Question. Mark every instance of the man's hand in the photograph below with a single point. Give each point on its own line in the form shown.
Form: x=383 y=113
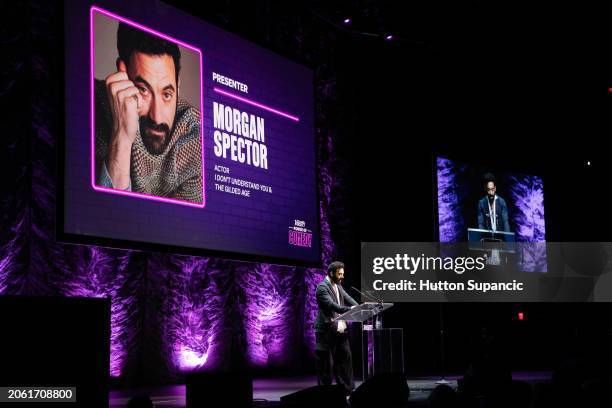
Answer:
x=125 y=103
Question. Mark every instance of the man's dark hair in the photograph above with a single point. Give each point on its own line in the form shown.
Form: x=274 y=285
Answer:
x=131 y=39
x=333 y=267
x=489 y=177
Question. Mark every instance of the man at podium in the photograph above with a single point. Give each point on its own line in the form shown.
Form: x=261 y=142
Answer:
x=333 y=352
x=492 y=209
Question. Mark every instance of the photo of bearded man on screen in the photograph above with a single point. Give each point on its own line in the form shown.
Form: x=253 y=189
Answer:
x=147 y=138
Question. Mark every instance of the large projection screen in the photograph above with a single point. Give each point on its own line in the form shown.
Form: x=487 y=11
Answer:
x=180 y=136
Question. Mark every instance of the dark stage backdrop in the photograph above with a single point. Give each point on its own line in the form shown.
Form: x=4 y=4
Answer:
x=170 y=314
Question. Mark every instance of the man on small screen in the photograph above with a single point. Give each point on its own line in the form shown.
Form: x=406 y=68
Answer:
x=148 y=140
x=333 y=354
x=492 y=209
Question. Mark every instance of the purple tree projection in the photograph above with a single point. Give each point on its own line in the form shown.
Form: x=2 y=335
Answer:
x=269 y=312
x=97 y=272
x=10 y=263
x=191 y=292
x=527 y=193
x=450 y=220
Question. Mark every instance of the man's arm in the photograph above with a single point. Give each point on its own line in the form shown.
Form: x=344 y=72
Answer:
x=348 y=299
x=325 y=301
x=105 y=180
x=189 y=159
x=481 y=221
x=125 y=104
x=505 y=217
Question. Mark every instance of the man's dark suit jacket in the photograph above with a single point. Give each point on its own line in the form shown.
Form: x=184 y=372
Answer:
x=501 y=215
x=329 y=308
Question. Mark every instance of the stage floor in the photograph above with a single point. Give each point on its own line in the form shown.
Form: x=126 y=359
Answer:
x=267 y=391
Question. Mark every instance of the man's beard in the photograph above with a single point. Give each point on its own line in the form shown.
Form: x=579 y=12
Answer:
x=155 y=144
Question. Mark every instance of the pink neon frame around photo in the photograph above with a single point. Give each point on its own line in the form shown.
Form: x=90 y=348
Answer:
x=93 y=10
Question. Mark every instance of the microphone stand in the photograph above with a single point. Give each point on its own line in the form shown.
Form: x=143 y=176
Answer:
x=371 y=297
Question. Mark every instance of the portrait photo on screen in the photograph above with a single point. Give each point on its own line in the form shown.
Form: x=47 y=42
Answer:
x=182 y=137
x=146 y=132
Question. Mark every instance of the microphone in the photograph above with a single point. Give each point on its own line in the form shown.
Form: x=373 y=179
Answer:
x=371 y=297
x=376 y=310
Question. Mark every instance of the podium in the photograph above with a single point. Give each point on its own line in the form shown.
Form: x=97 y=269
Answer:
x=382 y=349
x=480 y=236
x=493 y=242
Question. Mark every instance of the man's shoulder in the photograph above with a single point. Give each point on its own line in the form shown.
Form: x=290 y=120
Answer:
x=187 y=123
x=185 y=111
x=322 y=284
x=501 y=200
